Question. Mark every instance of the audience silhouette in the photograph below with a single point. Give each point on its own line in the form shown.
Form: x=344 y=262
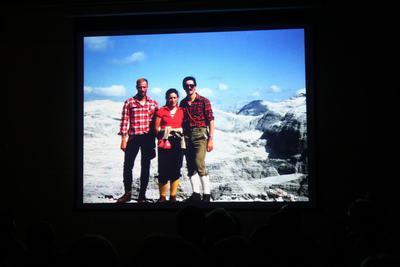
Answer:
x=168 y=250
x=219 y=224
x=381 y=260
x=215 y=238
x=92 y=250
x=190 y=224
x=231 y=251
x=282 y=242
x=363 y=232
x=12 y=250
x=40 y=244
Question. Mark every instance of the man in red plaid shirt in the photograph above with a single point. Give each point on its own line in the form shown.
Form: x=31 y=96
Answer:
x=198 y=128
x=137 y=132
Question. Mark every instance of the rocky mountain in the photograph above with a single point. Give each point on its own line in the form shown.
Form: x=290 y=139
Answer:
x=254 y=108
x=284 y=126
x=258 y=157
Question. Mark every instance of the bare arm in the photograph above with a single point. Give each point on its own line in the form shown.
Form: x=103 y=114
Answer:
x=210 y=143
x=157 y=125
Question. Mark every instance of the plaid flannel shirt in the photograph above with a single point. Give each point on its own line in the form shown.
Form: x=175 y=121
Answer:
x=198 y=114
x=136 y=118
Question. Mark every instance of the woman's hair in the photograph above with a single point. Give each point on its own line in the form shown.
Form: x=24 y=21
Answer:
x=170 y=91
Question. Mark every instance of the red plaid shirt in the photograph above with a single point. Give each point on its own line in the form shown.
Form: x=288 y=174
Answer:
x=198 y=114
x=138 y=117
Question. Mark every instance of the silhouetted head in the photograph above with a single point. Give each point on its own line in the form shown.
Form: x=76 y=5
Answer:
x=160 y=249
x=92 y=250
x=7 y=222
x=233 y=250
x=190 y=223
x=381 y=260
x=40 y=235
x=219 y=224
x=362 y=215
x=287 y=218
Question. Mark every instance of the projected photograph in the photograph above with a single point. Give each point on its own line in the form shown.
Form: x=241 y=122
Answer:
x=255 y=81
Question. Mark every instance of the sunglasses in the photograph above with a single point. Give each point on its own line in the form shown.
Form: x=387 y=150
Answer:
x=190 y=85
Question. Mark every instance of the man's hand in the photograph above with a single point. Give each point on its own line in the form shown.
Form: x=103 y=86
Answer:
x=210 y=145
x=123 y=144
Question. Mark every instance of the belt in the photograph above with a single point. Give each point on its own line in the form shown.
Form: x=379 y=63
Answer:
x=195 y=128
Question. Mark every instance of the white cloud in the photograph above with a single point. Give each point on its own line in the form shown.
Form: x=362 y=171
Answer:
x=301 y=91
x=223 y=86
x=207 y=92
x=87 y=89
x=98 y=44
x=255 y=93
x=135 y=57
x=156 y=91
x=275 y=88
x=113 y=90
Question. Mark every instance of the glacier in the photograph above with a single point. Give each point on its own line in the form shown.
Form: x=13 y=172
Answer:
x=239 y=166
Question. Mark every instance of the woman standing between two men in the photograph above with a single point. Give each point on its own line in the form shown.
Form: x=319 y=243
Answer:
x=168 y=127
x=189 y=126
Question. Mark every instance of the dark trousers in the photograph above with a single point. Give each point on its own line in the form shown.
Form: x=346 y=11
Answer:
x=146 y=144
x=170 y=161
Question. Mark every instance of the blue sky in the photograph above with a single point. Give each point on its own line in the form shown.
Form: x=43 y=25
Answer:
x=232 y=68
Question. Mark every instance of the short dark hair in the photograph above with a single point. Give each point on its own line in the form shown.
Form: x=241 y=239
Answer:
x=171 y=91
x=188 y=78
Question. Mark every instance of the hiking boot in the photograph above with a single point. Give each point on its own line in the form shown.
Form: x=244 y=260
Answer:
x=172 y=198
x=195 y=197
x=162 y=199
x=125 y=197
x=206 y=198
x=141 y=199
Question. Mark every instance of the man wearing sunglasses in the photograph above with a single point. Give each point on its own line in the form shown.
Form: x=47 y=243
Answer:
x=198 y=128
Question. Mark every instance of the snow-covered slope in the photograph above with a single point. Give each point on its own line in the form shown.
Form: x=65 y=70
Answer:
x=239 y=166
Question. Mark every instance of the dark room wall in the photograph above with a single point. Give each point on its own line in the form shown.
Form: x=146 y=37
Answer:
x=354 y=89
